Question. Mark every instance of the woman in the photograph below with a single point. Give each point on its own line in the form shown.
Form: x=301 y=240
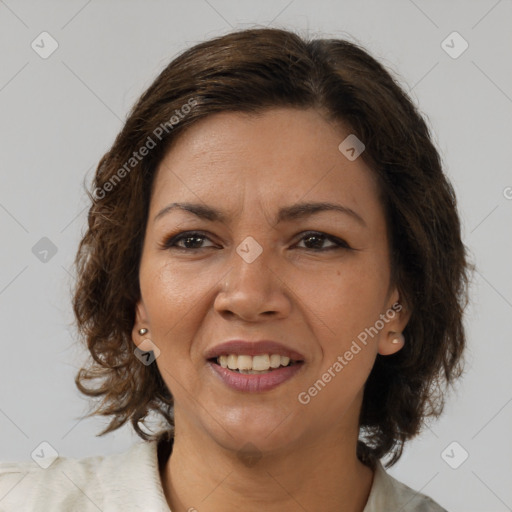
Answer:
x=273 y=266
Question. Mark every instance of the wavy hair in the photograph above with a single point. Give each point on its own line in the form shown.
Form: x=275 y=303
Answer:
x=250 y=71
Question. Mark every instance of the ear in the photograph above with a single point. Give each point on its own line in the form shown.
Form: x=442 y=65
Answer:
x=141 y=321
x=397 y=316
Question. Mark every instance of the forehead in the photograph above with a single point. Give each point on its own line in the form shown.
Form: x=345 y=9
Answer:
x=278 y=156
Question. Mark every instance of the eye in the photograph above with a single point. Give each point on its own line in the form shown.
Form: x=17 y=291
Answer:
x=191 y=240
x=316 y=239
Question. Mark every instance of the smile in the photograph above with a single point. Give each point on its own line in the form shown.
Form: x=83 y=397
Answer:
x=254 y=374
x=254 y=364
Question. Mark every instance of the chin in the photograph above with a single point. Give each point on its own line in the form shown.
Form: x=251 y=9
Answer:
x=270 y=432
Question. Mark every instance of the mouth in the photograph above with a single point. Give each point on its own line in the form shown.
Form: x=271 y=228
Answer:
x=254 y=374
x=253 y=366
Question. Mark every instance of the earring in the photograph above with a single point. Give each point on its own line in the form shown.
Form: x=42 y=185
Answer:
x=399 y=338
x=145 y=345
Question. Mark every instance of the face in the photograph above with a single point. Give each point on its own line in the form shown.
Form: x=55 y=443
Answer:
x=253 y=266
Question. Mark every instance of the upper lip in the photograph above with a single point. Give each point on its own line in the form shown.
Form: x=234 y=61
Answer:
x=252 y=348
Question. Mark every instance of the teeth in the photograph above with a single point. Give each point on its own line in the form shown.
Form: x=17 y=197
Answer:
x=253 y=364
x=260 y=363
x=244 y=363
x=275 y=361
x=232 y=362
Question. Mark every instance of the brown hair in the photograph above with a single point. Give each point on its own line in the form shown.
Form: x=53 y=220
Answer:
x=249 y=71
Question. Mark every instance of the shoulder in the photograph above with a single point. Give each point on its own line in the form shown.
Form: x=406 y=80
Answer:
x=125 y=481
x=387 y=493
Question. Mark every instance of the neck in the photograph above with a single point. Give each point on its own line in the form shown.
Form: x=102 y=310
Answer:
x=321 y=473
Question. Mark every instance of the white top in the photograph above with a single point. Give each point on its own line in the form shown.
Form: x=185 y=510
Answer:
x=130 y=481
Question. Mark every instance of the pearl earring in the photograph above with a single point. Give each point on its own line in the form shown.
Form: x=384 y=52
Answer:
x=146 y=345
x=399 y=338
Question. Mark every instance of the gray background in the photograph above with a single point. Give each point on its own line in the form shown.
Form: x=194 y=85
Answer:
x=60 y=114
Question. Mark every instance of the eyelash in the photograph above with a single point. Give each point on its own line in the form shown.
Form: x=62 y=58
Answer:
x=171 y=241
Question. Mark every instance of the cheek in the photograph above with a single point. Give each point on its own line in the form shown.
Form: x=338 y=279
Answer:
x=173 y=300
x=345 y=300
x=169 y=291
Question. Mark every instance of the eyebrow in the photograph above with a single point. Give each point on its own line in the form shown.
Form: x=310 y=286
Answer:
x=286 y=213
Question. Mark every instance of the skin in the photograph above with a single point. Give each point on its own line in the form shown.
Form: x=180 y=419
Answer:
x=316 y=302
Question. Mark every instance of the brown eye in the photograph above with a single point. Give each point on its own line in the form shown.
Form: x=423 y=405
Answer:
x=187 y=240
x=315 y=240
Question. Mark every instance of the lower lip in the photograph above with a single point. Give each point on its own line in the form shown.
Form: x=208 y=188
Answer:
x=254 y=383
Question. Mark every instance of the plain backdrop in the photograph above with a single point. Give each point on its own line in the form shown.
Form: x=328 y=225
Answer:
x=60 y=114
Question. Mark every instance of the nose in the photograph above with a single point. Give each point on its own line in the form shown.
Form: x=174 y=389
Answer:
x=253 y=291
